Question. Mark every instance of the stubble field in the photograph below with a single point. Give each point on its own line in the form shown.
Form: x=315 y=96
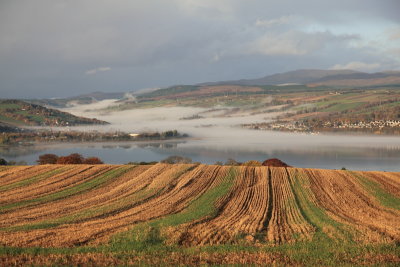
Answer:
x=192 y=214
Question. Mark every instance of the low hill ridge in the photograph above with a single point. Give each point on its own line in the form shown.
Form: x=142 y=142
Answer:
x=20 y=113
x=302 y=76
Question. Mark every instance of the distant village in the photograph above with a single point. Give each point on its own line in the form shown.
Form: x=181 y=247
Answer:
x=378 y=126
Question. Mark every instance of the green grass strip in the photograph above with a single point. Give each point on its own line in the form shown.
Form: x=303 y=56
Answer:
x=139 y=238
x=315 y=215
x=202 y=206
x=80 y=188
x=385 y=198
x=34 y=179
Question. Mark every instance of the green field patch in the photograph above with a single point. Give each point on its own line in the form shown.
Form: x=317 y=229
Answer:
x=36 y=118
x=322 y=253
x=34 y=179
x=384 y=107
x=170 y=91
x=313 y=253
x=96 y=181
x=9 y=106
x=384 y=198
x=11 y=120
x=342 y=106
x=147 y=236
x=310 y=253
x=25 y=114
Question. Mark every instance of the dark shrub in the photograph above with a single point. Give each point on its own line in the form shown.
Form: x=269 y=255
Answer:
x=74 y=158
x=176 y=159
x=3 y=162
x=275 y=163
x=47 y=159
x=92 y=160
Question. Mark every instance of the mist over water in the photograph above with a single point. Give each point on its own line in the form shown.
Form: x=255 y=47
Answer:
x=168 y=118
x=216 y=136
x=218 y=127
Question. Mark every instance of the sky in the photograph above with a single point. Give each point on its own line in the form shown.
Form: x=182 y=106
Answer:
x=60 y=48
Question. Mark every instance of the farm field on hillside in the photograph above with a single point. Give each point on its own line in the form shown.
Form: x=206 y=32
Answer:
x=361 y=111
x=285 y=108
x=197 y=214
x=21 y=113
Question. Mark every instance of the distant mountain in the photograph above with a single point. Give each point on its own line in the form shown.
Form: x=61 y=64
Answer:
x=21 y=113
x=296 y=77
x=292 y=81
x=319 y=77
x=296 y=80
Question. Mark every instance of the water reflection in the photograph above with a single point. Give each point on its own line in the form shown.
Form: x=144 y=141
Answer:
x=384 y=157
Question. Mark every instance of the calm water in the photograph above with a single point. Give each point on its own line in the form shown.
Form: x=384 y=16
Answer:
x=218 y=138
x=384 y=157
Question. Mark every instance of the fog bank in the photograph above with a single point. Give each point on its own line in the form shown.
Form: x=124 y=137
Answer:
x=219 y=127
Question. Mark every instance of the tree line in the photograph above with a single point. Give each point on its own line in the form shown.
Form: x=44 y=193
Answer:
x=76 y=158
x=73 y=158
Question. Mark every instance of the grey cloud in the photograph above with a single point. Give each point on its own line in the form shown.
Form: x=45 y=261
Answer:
x=46 y=45
x=274 y=22
x=96 y=70
x=294 y=43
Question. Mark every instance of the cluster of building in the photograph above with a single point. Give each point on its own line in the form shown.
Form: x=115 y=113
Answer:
x=306 y=127
x=363 y=125
x=279 y=126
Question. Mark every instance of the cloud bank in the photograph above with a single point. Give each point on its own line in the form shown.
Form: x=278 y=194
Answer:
x=46 y=45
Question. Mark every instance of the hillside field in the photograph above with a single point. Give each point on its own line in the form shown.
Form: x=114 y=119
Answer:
x=190 y=214
x=20 y=113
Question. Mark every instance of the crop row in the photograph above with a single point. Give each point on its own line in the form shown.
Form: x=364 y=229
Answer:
x=189 y=204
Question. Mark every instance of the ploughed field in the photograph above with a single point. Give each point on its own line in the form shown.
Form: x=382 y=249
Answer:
x=197 y=214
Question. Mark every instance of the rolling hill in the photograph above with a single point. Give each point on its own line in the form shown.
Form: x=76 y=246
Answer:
x=288 y=82
x=197 y=214
x=340 y=78
x=296 y=76
x=305 y=80
x=21 y=113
